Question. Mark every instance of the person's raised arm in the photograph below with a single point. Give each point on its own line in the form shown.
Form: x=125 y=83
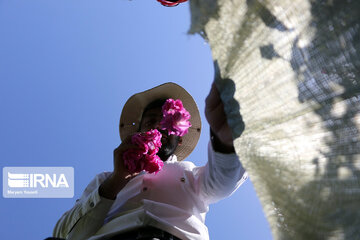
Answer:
x=220 y=132
x=223 y=173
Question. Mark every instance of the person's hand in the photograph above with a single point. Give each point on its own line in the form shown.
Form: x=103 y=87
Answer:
x=120 y=176
x=215 y=115
x=119 y=167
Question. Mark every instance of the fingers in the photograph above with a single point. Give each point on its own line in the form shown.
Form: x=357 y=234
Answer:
x=131 y=176
x=217 y=117
x=122 y=148
x=127 y=140
x=214 y=109
x=213 y=99
x=125 y=145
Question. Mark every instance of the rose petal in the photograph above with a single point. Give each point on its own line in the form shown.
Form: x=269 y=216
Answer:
x=175 y=118
x=132 y=158
x=153 y=164
x=136 y=160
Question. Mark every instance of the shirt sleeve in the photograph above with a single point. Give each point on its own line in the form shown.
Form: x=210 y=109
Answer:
x=220 y=177
x=88 y=214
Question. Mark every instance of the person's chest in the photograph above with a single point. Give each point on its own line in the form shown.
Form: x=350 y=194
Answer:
x=174 y=185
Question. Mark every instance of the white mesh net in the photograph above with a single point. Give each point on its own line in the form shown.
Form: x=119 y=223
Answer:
x=291 y=68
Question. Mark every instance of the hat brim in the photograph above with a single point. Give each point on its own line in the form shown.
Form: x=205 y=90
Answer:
x=135 y=105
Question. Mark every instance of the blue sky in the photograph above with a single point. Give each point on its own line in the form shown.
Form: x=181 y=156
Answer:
x=66 y=70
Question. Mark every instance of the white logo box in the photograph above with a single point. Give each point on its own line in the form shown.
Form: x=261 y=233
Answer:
x=38 y=182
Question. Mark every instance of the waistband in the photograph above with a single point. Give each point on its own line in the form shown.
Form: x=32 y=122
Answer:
x=144 y=233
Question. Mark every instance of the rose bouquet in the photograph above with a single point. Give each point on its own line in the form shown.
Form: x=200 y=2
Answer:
x=144 y=157
x=175 y=120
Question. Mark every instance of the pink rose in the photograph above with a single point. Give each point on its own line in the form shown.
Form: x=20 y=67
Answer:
x=153 y=136
x=171 y=106
x=153 y=164
x=175 y=118
x=149 y=142
x=133 y=160
x=139 y=140
x=144 y=158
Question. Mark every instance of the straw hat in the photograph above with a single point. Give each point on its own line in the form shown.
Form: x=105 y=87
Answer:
x=135 y=105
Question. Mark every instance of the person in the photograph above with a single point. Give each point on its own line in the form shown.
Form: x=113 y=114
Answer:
x=171 y=204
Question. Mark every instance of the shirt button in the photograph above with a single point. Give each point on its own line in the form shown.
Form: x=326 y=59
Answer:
x=182 y=179
x=144 y=189
x=91 y=204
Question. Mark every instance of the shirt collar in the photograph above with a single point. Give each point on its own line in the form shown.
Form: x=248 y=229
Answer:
x=171 y=159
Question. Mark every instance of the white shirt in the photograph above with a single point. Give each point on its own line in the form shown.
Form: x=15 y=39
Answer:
x=175 y=200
